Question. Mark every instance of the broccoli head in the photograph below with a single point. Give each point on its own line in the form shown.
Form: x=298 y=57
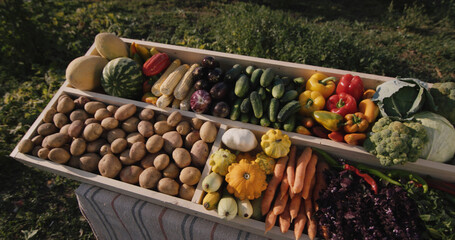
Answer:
x=395 y=142
x=444 y=98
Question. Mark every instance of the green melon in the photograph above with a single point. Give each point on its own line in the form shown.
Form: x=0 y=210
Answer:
x=122 y=77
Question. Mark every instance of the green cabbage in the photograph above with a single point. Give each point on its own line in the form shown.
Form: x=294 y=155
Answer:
x=441 y=137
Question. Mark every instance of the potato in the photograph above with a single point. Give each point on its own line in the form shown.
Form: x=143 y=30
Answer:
x=57 y=140
x=161 y=117
x=208 y=132
x=101 y=114
x=174 y=119
x=75 y=129
x=92 y=106
x=60 y=120
x=168 y=186
x=95 y=146
x=125 y=111
x=182 y=157
x=154 y=144
x=78 y=147
x=161 y=161
x=92 y=132
x=49 y=115
x=171 y=171
x=91 y=120
x=199 y=153
x=172 y=140
x=64 y=129
x=109 y=166
x=105 y=149
x=137 y=151
x=191 y=138
x=145 y=128
x=114 y=134
x=61 y=97
x=162 y=127
x=196 y=123
x=67 y=147
x=112 y=109
x=186 y=192
x=148 y=160
x=25 y=146
x=190 y=175
x=89 y=162
x=118 y=145
x=79 y=114
x=80 y=102
x=146 y=114
x=130 y=124
x=75 y=162
x=149 y=178
x=131 y=174
x=125 y=157
x=37 y=140
x=36 y=150
x=47 y=129
x=134 y=137
x=65 y=105
x=43 y=153
x=183 y=128
x=59 y=155
x=109 y=123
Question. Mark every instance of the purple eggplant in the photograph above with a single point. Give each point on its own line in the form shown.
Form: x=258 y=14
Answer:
x=221 y=109
x=200 y=101
x=210 y=62
x=219 y=90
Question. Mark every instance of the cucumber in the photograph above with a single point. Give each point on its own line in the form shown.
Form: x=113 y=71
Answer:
x=256 y=104
x=245 y=106
x=289 y=124
x=249 y=70
x=235 y=110
x=255 y=77
x=242 y=86
x=265 y=122
x=286 y=80
x=299 y=84
x=290 y=86
x=273 y=109
x=254 y=120
x=276 y=125
x=244 y=117
x=289 y=96
x=233 y=73
x=267 y=77
x=288 y=110
x=278 y=89
x=262 y=93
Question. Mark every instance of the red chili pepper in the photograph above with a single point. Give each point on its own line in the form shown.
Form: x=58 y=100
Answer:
x=352 y=85
x=156 y=64
x=336 y=136
x=342 y=104
x=365 y=176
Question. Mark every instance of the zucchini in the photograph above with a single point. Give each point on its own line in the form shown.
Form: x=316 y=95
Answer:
x=242 y=86
x=273 y=109
x=254 y=120
x=289 y=124
x=289 y=96
x=278 y=89
x=288 y=110
x=235 y=110
x=244 y=117
x=256 y=104
x=255 y=77
x=267 y=77
x=249 y=70
x=265 y=122
x=233 y=73
x=262 y=93
x=245 y=106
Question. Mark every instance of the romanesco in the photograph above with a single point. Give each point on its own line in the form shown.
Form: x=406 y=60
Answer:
x=395 y=142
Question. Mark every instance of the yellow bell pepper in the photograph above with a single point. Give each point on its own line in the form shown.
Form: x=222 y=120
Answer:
x=321 y=83
x=311 y=101
x=369 y=109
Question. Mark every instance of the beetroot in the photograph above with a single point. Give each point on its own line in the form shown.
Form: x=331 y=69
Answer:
x=200 y=101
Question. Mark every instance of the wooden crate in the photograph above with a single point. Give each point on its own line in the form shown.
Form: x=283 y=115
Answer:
x=191 y=55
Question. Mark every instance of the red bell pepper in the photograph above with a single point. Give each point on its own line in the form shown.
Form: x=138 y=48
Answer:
x=342 y=104
x=352 y=85
x=156 y=64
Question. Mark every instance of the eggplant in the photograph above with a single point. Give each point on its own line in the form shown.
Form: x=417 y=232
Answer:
x=215 y=75
x=210 y=62
x=202 y=84
x=200 y=73
x=219 y=90
x=220 y=109
x=200 y=101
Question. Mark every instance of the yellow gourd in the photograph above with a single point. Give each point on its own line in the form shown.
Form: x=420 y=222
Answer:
x=220 y=161
x=265 y=162
x=275 y=144
x=246 y=180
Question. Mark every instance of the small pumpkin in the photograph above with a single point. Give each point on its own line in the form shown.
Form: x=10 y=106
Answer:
x=220 y=161
x=265 y=162
x=275 y=144
x=239 y=139
x=246 y=180
x=245 y=155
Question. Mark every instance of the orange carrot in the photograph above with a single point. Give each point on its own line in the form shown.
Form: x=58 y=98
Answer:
x=309 y=175
x=285 y=219
x=325 y=232
x=284 y=186
x=294 y=206
x=320 y=182
x=270 y=221
x=269 y=194
x=312 y=225
x=300 y=222
x=290 y=169
x=300 y=169
x=280 y=204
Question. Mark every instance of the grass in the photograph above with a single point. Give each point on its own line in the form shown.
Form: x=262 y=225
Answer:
x=40 y=37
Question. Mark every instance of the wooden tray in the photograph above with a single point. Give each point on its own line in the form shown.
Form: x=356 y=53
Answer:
x=190 y=55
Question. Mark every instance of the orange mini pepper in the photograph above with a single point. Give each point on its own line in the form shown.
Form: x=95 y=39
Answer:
x=303 y=130
x=355 y=138
x=355 y=122
x=369 y=109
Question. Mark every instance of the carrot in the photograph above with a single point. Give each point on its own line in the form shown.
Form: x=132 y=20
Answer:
x=300 y=222
x=285 y=219
x=278 y=173
x=312 y=225
x=300 y=169
x=309 y=175
x=290 y=169
x=320 y=182
x=325 y=232
x=284 y=186
x=294 y=206
x=270 y=221
x=280 y=204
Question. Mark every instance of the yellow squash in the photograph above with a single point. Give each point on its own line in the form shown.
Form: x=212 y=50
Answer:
x=246 y=180
x=275 y=144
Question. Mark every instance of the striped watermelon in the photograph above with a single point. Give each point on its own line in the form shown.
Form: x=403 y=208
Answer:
x=122 y=77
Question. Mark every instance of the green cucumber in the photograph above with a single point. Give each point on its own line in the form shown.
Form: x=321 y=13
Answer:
x=244 y=117
x=290 y=86
x=286 y=80
x=267 y=77
x=245 y=106
x=273 y=109
x=262 y=93
x=278 y=89
x=265 y=122
x=289 y=124
x=288 y=110
x=249 y=70
x=233 y=73
x=289 y=96
x=299 y=84
x=242 y=86
x=256 y=104
x=235 y=110
x=254 y=120
x=255 y=77
x=276 y=125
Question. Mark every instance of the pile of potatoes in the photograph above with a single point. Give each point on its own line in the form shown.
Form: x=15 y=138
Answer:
x=137 y=146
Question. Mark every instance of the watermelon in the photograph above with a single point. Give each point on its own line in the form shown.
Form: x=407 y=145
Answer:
x=122 y=77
